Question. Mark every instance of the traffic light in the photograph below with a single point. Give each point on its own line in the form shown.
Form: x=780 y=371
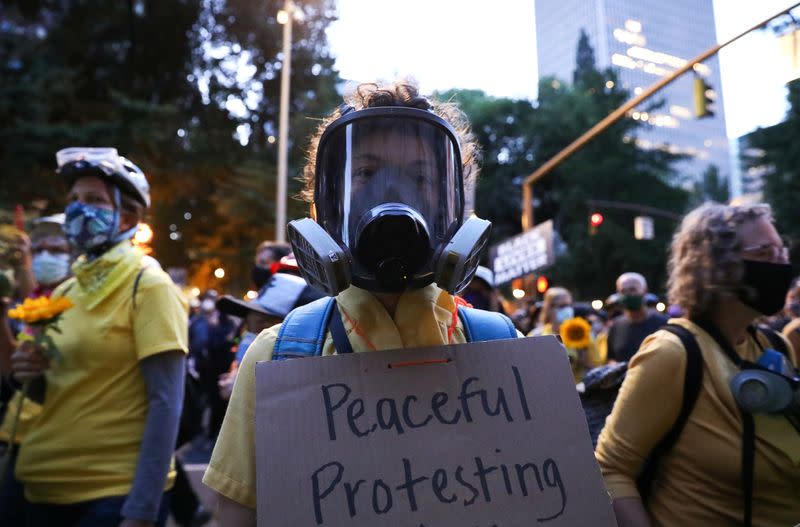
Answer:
x=703 y=99
x=542 y=284
x=595 y=220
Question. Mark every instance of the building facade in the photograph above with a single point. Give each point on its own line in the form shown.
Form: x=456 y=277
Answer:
x=645 y=40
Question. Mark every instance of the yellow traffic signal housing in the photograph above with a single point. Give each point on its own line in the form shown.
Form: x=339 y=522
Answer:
x=703 y=99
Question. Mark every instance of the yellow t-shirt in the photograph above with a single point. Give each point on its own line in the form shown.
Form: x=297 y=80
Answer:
x=422 y=318
x=699 y=481
x=29 y=411
x=85 y=444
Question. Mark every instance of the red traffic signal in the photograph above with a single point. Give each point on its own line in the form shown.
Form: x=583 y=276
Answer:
x=542 y=285
x=596 y=219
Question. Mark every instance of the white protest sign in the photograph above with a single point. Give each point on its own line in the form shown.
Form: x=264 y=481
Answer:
x=523 y=254
x=484 y=434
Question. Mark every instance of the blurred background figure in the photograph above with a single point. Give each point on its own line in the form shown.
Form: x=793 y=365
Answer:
x=792 y=311
x=558 y=317
x=43 y=263
x=791 y=308
x=281 y=294
x=481 y=294
x=637 y=321
x=268 y=253
x=211 y=337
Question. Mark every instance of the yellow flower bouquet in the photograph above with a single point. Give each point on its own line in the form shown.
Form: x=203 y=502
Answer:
x=40 y=316
x=575 y=333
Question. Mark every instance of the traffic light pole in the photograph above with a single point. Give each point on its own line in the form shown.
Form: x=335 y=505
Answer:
x=527 y=190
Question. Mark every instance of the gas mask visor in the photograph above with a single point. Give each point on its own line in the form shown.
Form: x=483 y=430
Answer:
x=389 y=194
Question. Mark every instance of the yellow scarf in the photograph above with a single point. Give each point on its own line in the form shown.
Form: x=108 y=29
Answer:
x=100 y=277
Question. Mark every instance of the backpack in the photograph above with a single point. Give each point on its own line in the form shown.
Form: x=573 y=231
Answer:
x=601 y=386
x=303 y=332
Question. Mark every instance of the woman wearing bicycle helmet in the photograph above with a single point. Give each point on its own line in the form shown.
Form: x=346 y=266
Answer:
x=101 y=450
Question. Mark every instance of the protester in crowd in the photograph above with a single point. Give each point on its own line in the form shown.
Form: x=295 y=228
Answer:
x=791 y=330
x=637 y=322
x=280 y=295
x=557 y=310
x=100 y=451
x=728 y=267
x=791 y=308
x=481 y=294
x=268 y=253
x=211 y=337
x=405 y=160
x=50 y=266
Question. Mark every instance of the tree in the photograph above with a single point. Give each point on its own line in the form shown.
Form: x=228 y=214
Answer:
x=189 y=89
x=780 y=145
x=516 y=136
x=711 y=187
x=502 y=127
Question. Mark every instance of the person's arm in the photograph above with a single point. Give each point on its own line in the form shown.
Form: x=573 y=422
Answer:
x=635 y=425
x=23 y=266
x=164 y=380
x=233 y=514
x=630 y=512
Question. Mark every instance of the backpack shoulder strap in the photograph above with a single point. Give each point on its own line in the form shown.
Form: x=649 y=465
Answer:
x=691 y=389
x=481 y=326
x=302 y=333
x=775 y=340
x=136 y=283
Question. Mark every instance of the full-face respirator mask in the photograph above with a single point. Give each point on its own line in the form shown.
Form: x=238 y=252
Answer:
x=389 y=204
x=770 y=386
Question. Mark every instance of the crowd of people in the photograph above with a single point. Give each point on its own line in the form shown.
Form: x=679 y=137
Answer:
x=132 y=369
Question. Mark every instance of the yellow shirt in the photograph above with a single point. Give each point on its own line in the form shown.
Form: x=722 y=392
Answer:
x=29 y=411
x=700 y=479
x=85 y=444
x=422 y=318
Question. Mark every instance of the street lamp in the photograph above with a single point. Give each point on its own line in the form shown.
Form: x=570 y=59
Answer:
x=284 y=17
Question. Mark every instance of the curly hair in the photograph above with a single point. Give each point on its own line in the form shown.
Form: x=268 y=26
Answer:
x=400 y=93
x=705 y=262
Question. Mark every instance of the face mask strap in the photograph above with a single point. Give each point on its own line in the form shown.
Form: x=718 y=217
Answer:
x=127 y=235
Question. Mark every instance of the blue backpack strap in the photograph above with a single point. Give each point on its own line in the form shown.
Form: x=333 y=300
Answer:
x=303 y=331
x=480 y=325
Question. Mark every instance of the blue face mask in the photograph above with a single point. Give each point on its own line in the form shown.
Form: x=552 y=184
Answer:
x=50 y=269
x=88 y=227
x=565 y=313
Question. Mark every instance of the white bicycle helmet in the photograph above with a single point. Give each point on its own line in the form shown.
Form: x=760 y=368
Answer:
x=106 y=163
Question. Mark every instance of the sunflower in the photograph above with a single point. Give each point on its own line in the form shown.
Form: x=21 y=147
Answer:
x=40 y=310
x=575 y=333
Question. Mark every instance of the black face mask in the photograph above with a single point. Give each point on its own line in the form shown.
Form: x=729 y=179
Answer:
x=771 y=282
x=261 y=276
x=394 y=244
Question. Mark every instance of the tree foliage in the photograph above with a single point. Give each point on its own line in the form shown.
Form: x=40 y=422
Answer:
x=780 y=145
x=517 y=136
x=188 y=89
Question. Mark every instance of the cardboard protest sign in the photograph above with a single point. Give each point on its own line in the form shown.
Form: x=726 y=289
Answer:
x=486 y=434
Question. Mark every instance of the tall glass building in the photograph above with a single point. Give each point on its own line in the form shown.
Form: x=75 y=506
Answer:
x=645 y=40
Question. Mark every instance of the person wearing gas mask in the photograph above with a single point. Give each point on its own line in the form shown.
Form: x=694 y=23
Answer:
x=628 y=331
x=391 y=244
x=716 y=404
x=100 y=451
